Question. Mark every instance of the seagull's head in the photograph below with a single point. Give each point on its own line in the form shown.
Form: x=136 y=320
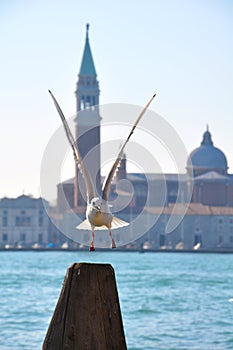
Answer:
x=96 y=203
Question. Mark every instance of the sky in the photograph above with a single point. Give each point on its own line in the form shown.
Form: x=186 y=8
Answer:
x=182 y=50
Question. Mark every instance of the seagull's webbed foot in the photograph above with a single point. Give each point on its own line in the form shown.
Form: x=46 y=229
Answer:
x=92 y=248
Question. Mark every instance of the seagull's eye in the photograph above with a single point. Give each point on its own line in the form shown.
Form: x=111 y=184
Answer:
x=93 y=203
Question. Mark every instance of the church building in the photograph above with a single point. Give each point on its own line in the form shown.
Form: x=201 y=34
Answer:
x=208 y=223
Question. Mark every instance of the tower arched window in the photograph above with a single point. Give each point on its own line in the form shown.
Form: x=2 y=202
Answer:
x=88 y=101
x=82 y=103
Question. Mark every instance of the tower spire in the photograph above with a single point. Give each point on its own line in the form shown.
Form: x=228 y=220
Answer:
x=87 y=120
x=207 y=139
x=87 y=30
x=87 y=64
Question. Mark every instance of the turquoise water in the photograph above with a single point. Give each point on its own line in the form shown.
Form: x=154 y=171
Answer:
x=168 y=301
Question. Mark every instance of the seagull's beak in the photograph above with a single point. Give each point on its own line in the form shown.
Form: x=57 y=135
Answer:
x=97 y=207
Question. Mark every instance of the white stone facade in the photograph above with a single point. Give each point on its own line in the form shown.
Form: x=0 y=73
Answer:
x=23 y=222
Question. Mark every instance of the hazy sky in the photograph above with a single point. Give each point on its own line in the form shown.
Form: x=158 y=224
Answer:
x=183 y=50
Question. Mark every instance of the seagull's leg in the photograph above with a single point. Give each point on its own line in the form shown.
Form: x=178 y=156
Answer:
x=92 y=248
x=110 y=234
x=113 y=242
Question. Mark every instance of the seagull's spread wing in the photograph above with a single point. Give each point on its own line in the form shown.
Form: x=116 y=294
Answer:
x=77 y=157
x=108 y=179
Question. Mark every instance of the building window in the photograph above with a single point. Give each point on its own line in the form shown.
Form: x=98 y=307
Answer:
x=22 y=237
x=88 y=101
x=162 y=240
x=231 y=239
x=231 y=221
x=220 y=221
x=40 y=237
x=5 y=212
x=82 y=103
x=22 y=221
x=5 y=237
x=197 y=239
x=220 y=240
x=4 y=221
x=41 y=221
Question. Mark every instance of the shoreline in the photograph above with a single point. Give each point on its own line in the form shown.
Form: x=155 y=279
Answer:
x=120 y=250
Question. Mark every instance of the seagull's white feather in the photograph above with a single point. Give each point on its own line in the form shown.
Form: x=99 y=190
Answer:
x=109 y=178
x=77 y=156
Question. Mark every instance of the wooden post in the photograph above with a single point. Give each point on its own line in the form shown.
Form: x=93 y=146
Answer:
x=87 y=315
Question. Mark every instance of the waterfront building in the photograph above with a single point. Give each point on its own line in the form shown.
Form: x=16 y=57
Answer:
x=23 y=222
x=208 y=223
x=212 y=183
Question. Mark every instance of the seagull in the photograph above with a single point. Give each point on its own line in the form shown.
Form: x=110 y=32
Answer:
x=98 y=214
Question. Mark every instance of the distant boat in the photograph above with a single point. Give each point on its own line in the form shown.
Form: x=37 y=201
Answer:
x=197 y=246
x=50 y=245
x=146 y=245
x=8 y=246
x=20 y=246
x=65 y=245
x=36 y=246
x=180 y=246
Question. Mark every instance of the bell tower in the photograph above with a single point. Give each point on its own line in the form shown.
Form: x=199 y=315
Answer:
x=87 y=123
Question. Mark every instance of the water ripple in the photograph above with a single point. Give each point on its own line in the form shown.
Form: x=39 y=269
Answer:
x=168 y=301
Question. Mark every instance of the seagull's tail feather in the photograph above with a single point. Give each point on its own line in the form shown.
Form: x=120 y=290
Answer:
x=116 y=223
x=85 y=225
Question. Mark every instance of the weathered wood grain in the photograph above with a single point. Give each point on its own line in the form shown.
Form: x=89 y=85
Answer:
x=87 y=315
